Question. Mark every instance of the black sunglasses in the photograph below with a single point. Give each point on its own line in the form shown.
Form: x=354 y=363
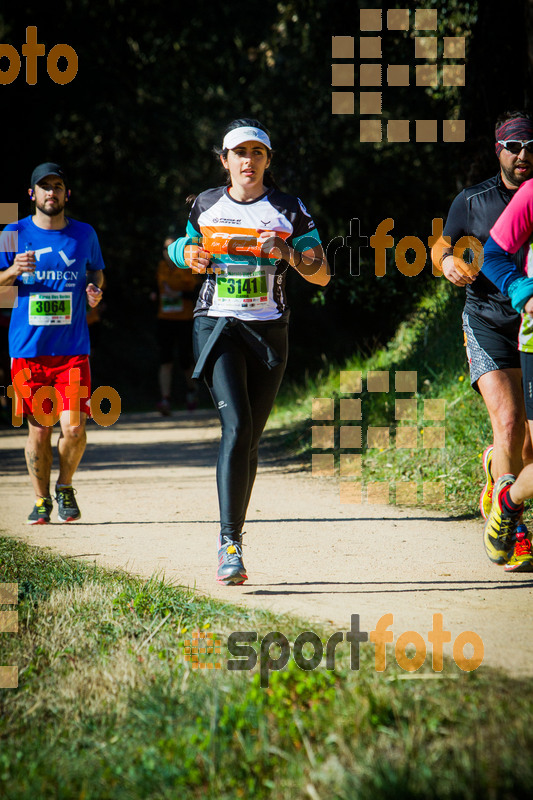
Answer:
x=515 y=147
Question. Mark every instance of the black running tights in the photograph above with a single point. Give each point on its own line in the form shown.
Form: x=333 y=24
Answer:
x=243 y=391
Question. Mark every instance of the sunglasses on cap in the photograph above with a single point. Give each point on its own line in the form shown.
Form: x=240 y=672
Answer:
x=516 y=147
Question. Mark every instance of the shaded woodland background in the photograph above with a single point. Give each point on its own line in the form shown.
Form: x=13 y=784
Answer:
x=157 y=84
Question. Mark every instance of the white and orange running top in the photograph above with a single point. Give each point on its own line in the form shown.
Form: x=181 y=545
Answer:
x=248 y=282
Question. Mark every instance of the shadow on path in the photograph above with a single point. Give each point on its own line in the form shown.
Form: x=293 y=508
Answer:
x=128 y=455
x=414 y=586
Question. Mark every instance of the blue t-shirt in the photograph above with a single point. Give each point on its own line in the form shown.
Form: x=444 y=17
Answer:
x=50 y=319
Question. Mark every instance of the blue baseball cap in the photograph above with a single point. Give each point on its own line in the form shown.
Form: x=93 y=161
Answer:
x=47 y=168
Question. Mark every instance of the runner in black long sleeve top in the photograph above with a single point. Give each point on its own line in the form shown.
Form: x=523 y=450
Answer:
x=490 y=323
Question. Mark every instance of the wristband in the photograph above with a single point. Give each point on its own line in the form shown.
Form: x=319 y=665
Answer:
x=519 y=292
x=176 y=251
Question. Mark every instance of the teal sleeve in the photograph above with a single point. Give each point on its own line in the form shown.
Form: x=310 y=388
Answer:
x=519 y=292
x=307 y=241
x=176 y=251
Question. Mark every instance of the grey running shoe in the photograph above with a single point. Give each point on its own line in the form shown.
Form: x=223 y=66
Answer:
x=231 y=571
x=41 y=512
x=67 y=507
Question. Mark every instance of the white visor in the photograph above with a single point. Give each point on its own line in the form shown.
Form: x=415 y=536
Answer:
x=239 y=135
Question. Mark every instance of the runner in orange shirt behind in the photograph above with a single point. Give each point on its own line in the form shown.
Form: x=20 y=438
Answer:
x=177 y=292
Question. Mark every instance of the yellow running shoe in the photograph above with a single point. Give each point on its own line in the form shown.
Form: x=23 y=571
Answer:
x=521 y=558
x=485 y=501
x=500 y=530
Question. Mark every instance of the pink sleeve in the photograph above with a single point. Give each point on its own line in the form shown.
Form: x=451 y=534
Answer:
x=514 y=226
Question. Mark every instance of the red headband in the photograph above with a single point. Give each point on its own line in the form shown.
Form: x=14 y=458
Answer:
x=519 y=129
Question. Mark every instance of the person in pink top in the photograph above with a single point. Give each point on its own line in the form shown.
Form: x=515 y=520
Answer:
x=513 y=231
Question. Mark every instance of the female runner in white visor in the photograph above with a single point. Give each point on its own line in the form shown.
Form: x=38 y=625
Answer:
x=244 y=236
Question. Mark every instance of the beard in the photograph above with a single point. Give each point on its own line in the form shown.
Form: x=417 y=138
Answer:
x=51 y=209
x=512 y=177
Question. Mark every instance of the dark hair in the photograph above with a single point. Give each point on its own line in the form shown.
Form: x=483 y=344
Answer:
x=507 y=115
x=247 y=122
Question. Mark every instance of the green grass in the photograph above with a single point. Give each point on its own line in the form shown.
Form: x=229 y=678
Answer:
x=429 y=342
x=107 y=707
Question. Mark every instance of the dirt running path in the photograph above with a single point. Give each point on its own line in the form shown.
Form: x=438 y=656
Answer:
x=147 y=491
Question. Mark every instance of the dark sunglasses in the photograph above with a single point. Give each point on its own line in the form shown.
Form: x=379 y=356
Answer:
x=515 y=147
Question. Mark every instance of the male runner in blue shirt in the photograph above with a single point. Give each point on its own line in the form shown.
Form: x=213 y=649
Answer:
x=56 y=264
